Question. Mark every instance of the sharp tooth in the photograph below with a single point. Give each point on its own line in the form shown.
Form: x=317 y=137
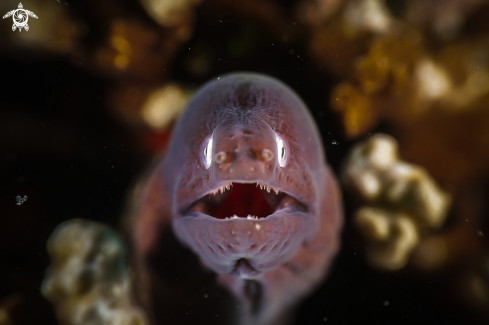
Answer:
x=257 y=184
x=268 y=189
x=248 y=217
x=276 y=191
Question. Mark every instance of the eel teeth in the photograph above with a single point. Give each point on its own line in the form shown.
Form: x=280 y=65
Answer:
x=268 y=188
x=226 y=187
x=223 y=188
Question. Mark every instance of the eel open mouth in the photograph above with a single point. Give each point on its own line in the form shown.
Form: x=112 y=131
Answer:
x=244 y=200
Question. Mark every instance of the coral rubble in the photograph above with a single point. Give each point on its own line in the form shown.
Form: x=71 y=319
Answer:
x=401 y=200
x=88 y=280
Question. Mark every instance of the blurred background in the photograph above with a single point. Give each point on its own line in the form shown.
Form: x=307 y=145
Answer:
x=90 y=92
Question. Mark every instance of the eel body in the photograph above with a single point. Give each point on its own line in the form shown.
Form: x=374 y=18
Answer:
x=246 y=187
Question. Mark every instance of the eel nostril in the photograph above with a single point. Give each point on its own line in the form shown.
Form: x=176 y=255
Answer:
x=221 y=157
x=251 y=154
x=267 y=154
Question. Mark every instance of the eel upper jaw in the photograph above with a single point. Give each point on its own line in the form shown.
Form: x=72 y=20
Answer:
x=243 y=199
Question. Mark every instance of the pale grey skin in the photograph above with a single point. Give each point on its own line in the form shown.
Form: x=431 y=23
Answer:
x=288 y=253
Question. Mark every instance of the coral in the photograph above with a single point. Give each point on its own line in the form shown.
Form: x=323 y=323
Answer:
x=170 y=12
x=446 y=18
x=315 y=12
x=401 y=200
x=370 y=15
x=88 y=280
x=394 y=236
x=403 y=64
x=131 y=48
x=150 y=107
x=358 y=112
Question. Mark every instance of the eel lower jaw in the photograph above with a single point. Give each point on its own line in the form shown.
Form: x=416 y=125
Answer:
x=236 y=200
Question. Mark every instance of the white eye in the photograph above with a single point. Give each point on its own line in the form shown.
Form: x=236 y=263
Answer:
x=208 y=153
x=282 y=154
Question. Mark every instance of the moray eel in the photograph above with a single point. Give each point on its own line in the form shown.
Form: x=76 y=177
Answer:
x=245 y=185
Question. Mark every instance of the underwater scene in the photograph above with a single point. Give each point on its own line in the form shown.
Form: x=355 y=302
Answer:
x=244 y=162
